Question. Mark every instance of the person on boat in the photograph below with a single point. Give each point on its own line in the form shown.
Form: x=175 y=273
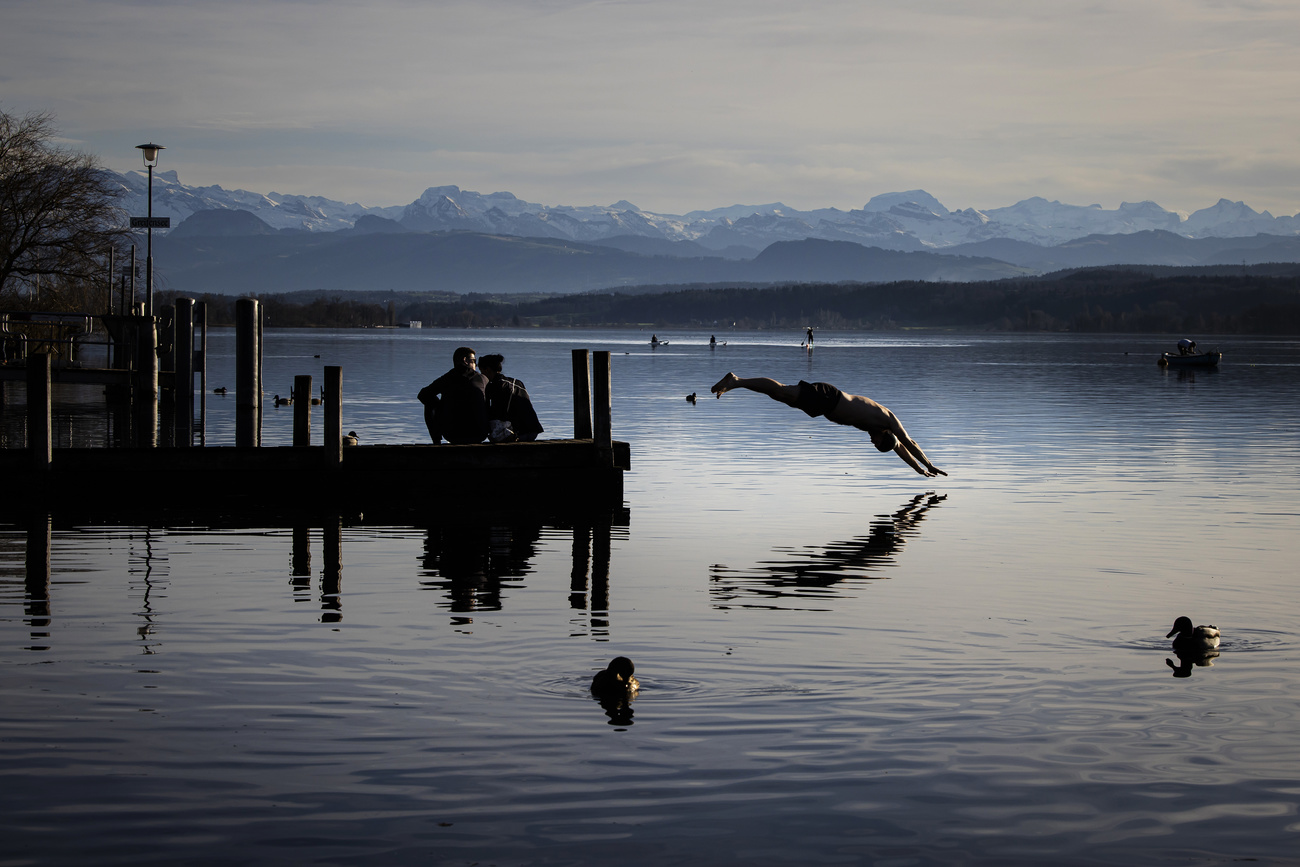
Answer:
x=810 y=335
x=1186 y=347
x=511 y=417
x=455 y=404
x=713 y=340
x=821 y=398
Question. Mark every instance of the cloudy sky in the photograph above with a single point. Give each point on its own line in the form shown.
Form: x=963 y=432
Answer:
x=677 y=105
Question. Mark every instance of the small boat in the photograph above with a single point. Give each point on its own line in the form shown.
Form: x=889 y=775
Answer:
x=1198 y=359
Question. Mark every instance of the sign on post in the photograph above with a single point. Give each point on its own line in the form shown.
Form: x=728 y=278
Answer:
x=151 y=222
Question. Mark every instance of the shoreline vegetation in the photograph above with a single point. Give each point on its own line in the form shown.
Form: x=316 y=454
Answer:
x=1097 y=300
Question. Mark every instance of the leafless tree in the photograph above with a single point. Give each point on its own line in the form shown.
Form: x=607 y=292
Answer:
x=58 y=219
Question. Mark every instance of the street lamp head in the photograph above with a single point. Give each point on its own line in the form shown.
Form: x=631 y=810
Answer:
x=150 y=152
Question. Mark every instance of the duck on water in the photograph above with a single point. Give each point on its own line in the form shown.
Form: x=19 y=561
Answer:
x=1193 y=639
x=616 y=679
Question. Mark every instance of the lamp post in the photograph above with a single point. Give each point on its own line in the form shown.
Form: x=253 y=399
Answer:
x=150 y=152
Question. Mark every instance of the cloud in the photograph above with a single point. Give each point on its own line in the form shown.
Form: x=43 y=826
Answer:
x=680 y=105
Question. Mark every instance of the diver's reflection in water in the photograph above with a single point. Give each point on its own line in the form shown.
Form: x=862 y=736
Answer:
x=471 y=559
x=1187 y=660
x=811 y=572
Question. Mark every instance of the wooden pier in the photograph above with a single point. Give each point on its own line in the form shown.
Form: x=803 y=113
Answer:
x=583 y=474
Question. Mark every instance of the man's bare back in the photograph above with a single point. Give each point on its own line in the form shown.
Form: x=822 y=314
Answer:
x=886 y=431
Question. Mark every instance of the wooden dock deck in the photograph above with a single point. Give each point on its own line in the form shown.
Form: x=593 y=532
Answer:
x=548 y=477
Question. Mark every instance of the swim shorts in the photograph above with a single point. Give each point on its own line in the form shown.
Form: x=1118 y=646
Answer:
x=817 y=398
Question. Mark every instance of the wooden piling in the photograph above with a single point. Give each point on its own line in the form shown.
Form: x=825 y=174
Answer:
x=581 y=395
x=248 y=353
x=183 y=381
x=144 y=394
x=302 y=410
x=248 y=374
x=39 y=439
x=602 y=400
x=201 y=366
x=333 y=430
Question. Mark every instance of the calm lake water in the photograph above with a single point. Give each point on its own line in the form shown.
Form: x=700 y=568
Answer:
x=842 y=662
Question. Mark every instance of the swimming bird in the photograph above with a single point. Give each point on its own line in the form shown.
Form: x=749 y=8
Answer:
x=221 y=390
x=1195 y=639
x=690 y=398
x=283 y=401
x=616 y=679
x=350 y=439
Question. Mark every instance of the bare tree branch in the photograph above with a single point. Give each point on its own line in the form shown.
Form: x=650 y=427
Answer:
x=58 y=218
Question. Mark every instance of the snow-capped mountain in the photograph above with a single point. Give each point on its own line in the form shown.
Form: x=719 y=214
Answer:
x=908 y=221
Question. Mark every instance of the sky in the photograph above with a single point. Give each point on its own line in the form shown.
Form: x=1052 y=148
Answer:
x=677 y=106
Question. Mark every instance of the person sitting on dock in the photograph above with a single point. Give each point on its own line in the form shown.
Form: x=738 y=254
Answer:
x=511 y=417
x=455 y=404
x=822 y=398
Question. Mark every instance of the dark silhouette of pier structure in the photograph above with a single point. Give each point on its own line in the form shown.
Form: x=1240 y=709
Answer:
x=584 y=473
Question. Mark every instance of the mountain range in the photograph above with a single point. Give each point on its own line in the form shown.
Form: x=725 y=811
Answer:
x=462 y=241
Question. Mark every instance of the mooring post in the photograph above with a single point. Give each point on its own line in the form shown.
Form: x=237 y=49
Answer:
x=581 y=395
x=38 y=411
x=302 y=410
x=183 y=353
x=145 y=393
x=602 y=400
x=248 y=376
x=201 y=366
x=333 y=430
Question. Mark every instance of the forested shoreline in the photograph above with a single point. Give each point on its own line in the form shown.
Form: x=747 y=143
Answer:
x=1092 y=300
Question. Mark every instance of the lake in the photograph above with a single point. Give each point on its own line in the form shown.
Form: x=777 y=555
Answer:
x=842 y=662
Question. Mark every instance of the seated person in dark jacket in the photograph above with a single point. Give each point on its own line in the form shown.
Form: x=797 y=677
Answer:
x=508 y=405
x=455 y=406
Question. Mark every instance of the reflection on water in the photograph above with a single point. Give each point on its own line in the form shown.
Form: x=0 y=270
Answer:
x=1004 y=701
x=472 y=559
x=1187 y=659
x=812 y=573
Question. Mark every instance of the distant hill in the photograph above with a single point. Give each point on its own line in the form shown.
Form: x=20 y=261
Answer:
x=221 y=224
x=1156 y=247
x=476 y=262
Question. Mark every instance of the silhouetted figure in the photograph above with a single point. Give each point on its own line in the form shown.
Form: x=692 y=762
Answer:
x=510 y=412
x=822 y=398
x=455 y=404
x=810 y=335
x=690 y=398
x=1186 y=347
x=713 y=341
